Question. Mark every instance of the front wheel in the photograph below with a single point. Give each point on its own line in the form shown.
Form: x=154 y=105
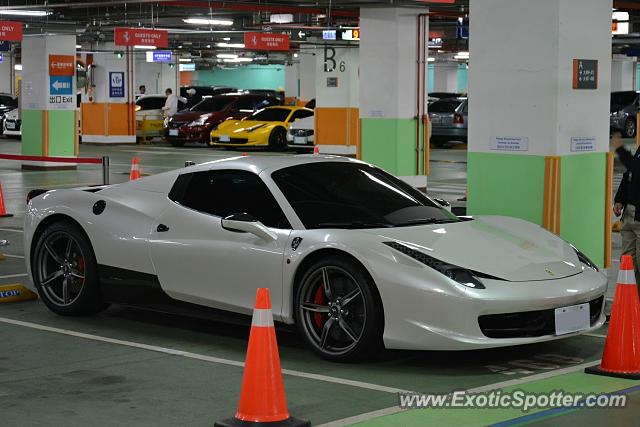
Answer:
x=278 y=139
x=65 y=271
x=338 y=310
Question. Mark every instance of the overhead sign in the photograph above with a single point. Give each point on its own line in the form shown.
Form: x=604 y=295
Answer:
x=60 y=85
x=11 y=31
x=266 y=41
x=509 y=143
x=62 y=65
x=190 y=66
x=328 y=34
x=116 y=84
x=353 y=34
x=141 y=37
x=585 y=73
x=159 y=56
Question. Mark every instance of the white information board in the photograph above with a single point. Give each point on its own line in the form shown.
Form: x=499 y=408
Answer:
x=583 y=143
x=509 y=143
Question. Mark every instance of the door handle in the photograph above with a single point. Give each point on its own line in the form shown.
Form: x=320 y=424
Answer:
x=162 y=228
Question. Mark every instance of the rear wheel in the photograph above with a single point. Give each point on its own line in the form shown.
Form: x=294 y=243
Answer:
x=278 y=138
x=338 y=310
x=65 y=271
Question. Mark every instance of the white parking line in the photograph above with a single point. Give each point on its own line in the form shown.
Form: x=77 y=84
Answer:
x=596 y=335
x=196 y=356
x=12 y=230
x=509 y=383
x=12 y=255
x=11 y=276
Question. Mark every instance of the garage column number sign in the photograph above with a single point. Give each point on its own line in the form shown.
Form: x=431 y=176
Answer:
x=141 y=37
x=585 y=74
x=11 y=31
x=61 y=72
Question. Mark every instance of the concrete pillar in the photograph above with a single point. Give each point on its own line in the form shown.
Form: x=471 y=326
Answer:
x=156 y=76
x=445 y=77
x=49 y=116
x=300 y=77
x=537 y=146
x=291 y=82
x=6 y=73
x=622 y=73
x=392 y=135
x=336 y=88
x=107 y=110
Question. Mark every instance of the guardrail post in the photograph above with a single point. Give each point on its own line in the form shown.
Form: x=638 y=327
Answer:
x=105 y=170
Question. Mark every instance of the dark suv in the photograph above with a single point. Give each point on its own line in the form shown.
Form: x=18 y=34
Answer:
x=196 y=123
x=623 y=110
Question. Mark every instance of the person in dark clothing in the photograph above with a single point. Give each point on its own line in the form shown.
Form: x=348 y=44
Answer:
x=627 y=201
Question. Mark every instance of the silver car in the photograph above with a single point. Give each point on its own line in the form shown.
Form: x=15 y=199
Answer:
x=449 y=120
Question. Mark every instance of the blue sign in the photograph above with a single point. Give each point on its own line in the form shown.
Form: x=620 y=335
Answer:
x=5 y=46
x=60 y=85
x=116 y=84
x=1 y=59
x=328 y=34
x=162 y=56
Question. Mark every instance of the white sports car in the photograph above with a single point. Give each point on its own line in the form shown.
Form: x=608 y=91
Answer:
x=354 y=256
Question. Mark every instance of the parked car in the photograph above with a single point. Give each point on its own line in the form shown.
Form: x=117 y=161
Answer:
x=623 y=110
x=449 y=120
x=301 y=135
x=436 y=96
x=269 y=92
x=149 y=117
x=195 y=124
x=265 y=128
x=7 y=103
x=12 y=124
x=356 y=258
x=201 y=92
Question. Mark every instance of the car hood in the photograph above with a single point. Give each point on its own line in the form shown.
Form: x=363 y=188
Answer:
x=504 y=247
x=188 y=116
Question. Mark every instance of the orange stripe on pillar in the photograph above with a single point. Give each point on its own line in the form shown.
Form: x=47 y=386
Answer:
x=607 y=211
x=551 y=202
x=76 y=130
x=45 y=133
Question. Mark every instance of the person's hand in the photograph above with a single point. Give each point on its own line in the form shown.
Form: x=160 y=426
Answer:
x=617 y=209
x=616 y=141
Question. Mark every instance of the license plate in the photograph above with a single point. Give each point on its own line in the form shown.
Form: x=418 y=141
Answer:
x=224 y=138
x=11 y=126
x=300 y=140
x=572 y=319
x=173 y=132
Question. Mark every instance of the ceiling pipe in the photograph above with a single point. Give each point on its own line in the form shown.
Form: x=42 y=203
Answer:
x=264 y=8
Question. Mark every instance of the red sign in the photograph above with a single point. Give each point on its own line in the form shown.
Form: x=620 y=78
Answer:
x=266 y=41
x=11 y=31
x=141 y=37
x=62 y=65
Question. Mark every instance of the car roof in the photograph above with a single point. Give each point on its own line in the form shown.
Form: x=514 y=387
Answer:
x=288 y=107
x=258 y=164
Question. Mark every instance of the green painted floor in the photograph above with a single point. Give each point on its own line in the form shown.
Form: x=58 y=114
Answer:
x=136 y=367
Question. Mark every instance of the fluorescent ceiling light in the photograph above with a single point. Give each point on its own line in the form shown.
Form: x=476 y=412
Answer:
x=620 y=16
x=24 y=12
x=227 y=55
x=238 y=60
x=78 y=46
x=463 y=54
x=208 y=46
x=202 y=21
x=234 y=45
x=295 y=55
x=431 y=59
x=226 y=39
x=138 y=46
x=281 y=18
x=185 y=60
x=17 y=67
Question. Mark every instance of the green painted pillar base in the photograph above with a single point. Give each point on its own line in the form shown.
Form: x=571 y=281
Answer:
x=513 y=185
x=391 y=144
x=51 y=133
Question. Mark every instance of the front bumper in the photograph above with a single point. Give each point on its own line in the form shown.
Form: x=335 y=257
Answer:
x=450 y=132
x=420 y=319
x=185 y=133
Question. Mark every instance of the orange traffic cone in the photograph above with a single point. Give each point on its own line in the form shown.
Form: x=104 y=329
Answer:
x=621 y=356
x=135 y=169
x=262 y=398
x=3 y=210
x=244 y=154
x=316 y=150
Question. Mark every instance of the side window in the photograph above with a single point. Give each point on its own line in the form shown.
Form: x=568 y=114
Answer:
x=300 y=114
x=245 y=104
x=226 y=192
x=465 y=109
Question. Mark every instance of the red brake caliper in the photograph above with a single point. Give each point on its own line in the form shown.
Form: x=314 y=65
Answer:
x=321 y=299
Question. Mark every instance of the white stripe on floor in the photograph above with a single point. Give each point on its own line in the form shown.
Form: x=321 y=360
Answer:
x=12 y=256
x=509 y=383
x=596 y=335
x=196 y=356
x=11 y=276
x=12 y=230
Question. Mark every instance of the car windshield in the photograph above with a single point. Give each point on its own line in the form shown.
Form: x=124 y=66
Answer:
x=8 y=101
x=355 y=195
x=445 y=106
x=210 y=105
x=151 y=103
x=620 y=100
x=270 y=115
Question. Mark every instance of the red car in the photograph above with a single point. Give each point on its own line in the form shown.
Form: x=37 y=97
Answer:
x=196 y=123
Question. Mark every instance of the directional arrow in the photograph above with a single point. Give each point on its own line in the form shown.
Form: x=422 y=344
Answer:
x=57 y=85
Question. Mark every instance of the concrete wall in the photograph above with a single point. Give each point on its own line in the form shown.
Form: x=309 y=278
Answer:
x=245 y=77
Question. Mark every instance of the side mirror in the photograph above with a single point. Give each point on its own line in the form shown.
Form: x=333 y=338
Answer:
x=446 y=205
x=247 y=223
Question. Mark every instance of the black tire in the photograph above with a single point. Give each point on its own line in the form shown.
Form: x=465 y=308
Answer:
x=353 y=300
x=278 y=139
x=53 y=247
x=629 y=128
x=177 y=142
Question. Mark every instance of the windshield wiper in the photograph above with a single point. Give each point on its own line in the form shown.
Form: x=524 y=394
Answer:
x=354 y=224
x=422 y=221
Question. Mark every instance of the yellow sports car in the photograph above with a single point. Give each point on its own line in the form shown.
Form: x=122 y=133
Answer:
x=265 y=128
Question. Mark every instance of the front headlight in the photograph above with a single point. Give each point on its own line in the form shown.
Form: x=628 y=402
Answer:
x=585 y=259
x=199 y=122
x=166 y=121
x=459 y=274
